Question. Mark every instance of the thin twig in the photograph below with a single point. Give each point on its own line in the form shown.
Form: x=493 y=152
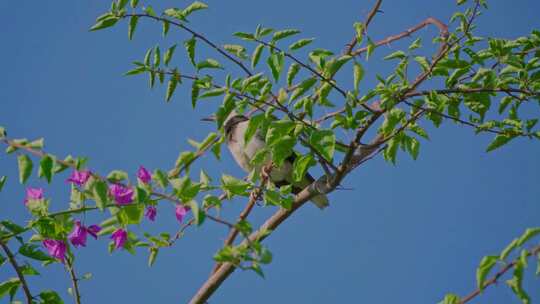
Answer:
x=13 y=262
x=370 y=16
x=74 y=280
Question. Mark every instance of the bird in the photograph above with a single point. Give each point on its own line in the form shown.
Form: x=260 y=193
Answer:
x=235 y=127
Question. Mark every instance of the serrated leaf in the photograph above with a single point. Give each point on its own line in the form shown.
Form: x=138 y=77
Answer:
x=213 y=93
x=100 y=194
x=171 y=87
x=105 y=23
x=157 y=56
x=300 y=43
x=256 y=56
x=132 y=26
x=324 y=141
x=301 y=165
x=25 y=167
x=190 y=48
x=284 y=34
x=169 y=54
x=499 y=141
x=293 y=71
x=209 y=64
x=254 y=125
x=195 y=6
x=244 y=36
x=166 y=25
x=46 y=167
x=396 y=54
x=303 y=87
x=483 y=270
x=275 y=62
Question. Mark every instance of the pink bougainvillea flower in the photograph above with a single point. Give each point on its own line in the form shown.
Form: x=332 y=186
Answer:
x=56 y=249
x=79 y=178
x=93 y=230
x=151 y=212
x=122 y=195
x=78 y=236
x=143 y=175
x=119 y=237
x=33 y=194
x=181 y=212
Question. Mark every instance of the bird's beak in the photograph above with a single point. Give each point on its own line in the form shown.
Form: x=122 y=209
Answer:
x=210 y=118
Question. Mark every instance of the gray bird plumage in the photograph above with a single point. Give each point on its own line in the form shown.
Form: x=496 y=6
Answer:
x=235 y=127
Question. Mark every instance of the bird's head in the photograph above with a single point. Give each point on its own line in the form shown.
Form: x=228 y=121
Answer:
x=232 y=119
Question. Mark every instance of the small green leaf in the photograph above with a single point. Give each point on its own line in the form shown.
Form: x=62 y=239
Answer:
x=100 y=194
x=301 y=165
x=256 y=56
x=244 y=36
x=2 y=182
x=157 y=56
x=3 y=132
x=50 y=297
x=195 y=6
x=131 y=214
x=300 y=43
x=396 y=54
x=166 y=25
x=233 y=185
x=209 y=64
x=483 y=270
x=160 y=178
x=359 y=29
x=105 y=23
x=236 y=49
x=117 y=176
x=254 y=125
x=529 y=233
x=25 y=167
x=293 y=71
x=33 y=251
x=450 y=299
x=506 y=251
x=169 y=54
x=303 y=88
x=134 y=3
x=213 y=93
x=171 y=87
x=198 y=213
x=132 y=26
x=190 y=48
x=499 y=141
x=370 y=48
x=275 y=62
x=46 y=167
x=284 y=34
x=7 y=286
x=324 y=141
x=358 y=75
x=153 y=255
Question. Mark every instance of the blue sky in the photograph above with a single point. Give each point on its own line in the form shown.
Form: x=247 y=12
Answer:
x=405 y=234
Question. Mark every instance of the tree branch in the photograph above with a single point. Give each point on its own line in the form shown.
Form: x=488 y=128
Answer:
x=74 y=280
x=370 y=16
x=13 y=262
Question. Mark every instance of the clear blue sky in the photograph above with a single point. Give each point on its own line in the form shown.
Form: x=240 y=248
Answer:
x=405 y=234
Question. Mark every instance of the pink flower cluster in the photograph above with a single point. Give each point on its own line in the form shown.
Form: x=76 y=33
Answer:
x=122 y=195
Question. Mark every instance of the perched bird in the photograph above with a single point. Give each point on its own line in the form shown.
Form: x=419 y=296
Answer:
x=235 y=127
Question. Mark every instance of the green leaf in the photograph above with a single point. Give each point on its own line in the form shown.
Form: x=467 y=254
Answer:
x=416 y=44
x=132 y=26
x=3 y=132
x=232 y=185
x=451 y=299
x=396 y=54
x=105 y=23
x=131 y=214
x=46 y=167
x=153 y=255
x=256 y=56
x=244 y=36
x=358 y=75
x=275 y=62
x=359 y=29
x=236 y=49
x=25 y=167
x=134 y=3
x=28 y=270
x=334 y=65
x=157 y=56
x=198 y=213
x=117 y=176
x=171 y=87
x=499 y=141
x=282 y=149
x=2 y=182
x=303 y=88
x=213 y=93
x=160 y=178
x=100 y=194
x=482 y=271
x=293 y=71
x=529 y=233
x=301 y=165
x=8 y=285
x=166 y=25
x=370 y=48
x=254 y=125
x=284 y=34
x=390 y=152
x=324 y=141
x=195 y=6
x=169 y=54
x=423 y=62
x=33 y=251
x=50 y=297
x=135 y=71
x=506 y=251
x=190 y=48
x=300 y=43
x=277 y=130
x=209 y=64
